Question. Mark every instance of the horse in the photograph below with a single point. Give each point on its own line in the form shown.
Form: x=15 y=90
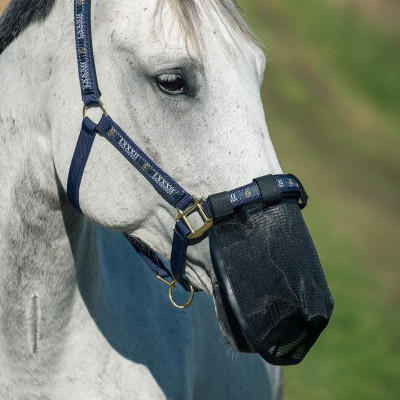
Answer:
x=80 y=315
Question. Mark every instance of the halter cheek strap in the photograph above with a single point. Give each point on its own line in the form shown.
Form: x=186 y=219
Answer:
x=170 y=190
x=84 y=50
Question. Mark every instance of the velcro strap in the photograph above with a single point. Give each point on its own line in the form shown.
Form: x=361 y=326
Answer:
x=220 y=206
x=270 y=191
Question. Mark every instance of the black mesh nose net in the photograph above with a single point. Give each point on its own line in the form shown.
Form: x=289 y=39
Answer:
x=269 y=287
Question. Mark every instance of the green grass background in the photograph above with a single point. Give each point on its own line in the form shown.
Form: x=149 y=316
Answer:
x=332 y=103
x=331 y=97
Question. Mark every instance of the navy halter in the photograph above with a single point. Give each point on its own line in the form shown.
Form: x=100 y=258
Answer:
x=170 y=190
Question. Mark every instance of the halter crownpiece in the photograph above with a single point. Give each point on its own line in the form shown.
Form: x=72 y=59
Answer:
x=270 y=291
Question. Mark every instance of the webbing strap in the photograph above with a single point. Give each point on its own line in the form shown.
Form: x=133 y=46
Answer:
x=171 y=191
x=79 y=159
x=150 y=257
x=178 y=254
x=163 y=183
x=251 y=192
x=154 y=174
x=84 y=50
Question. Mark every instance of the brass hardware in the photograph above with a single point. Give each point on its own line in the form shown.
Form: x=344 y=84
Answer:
x=171 y=285
x=184 y=214
x=189 y=302
x=101 y=105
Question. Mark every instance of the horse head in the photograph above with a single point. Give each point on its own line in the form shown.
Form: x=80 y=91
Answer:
x=190 y=99
x=184 y=81
x=182 y=78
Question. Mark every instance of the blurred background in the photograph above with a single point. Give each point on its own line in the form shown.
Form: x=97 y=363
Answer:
x=331 y=95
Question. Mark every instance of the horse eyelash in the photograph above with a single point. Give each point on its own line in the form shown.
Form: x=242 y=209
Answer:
x=168 y=77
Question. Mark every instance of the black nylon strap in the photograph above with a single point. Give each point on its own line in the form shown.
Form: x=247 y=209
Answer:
x=220 y=206
x=270 y=191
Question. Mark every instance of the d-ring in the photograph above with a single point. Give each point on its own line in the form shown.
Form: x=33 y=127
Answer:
x=189 y=302
x=171 y=285
x=101 y=105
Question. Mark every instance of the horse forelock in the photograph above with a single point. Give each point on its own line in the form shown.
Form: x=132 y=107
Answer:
x=189 y=17
x=19 y=14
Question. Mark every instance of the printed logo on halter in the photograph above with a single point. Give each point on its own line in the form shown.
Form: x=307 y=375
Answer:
x=84 y=72
x=145 y=166
x=251 y=192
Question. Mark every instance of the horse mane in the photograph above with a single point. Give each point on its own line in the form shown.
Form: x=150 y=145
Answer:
x=19 y=14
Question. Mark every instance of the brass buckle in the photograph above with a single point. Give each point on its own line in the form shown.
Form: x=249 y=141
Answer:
x=172 y=285
x=184 y=214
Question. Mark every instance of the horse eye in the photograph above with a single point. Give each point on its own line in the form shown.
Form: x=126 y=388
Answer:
x=171 y=84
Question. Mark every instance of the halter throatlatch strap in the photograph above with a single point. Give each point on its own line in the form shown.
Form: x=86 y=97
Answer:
x=79 y=159
x=171 y=191
x=150 y=257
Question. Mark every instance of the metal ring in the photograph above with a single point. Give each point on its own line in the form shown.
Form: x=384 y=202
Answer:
x=172 y=300
x=101 y=105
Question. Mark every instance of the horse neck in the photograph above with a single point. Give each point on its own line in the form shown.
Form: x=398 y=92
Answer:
x=48 y=249
x=39 y=229
x=26 y=68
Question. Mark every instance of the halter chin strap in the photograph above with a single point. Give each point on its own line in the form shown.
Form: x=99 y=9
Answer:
x=170 y=190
